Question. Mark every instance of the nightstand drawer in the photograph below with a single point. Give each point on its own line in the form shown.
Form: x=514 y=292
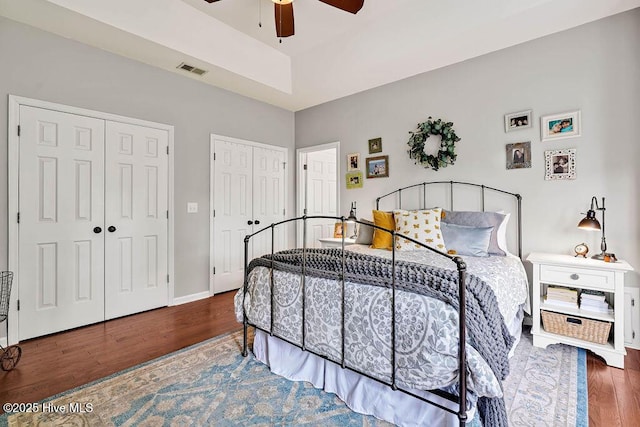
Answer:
x=603 y=280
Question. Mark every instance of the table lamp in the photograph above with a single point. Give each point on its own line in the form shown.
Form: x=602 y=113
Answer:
x=590 y=222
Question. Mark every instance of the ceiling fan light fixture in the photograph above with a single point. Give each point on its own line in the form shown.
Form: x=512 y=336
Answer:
x=282 y=1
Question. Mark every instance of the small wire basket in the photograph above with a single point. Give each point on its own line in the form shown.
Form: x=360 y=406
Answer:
x=10 y=356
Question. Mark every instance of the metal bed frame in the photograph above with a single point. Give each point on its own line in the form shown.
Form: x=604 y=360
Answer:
x=460 y=400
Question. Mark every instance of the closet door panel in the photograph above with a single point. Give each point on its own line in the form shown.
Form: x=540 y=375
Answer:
x=136 y=219
x=233 y=171
x=268 y=199
x=61 y=236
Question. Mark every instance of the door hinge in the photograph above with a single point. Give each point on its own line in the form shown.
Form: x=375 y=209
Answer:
x=284 y=212
x=18 y=130
x=167 y=278
x=19 y=223
x=214 y=213
x=18 y=303
x=633 y=300
x=214 y=270
x=167 y=149
x=214 y=157
x=633 y=335
x=284 y=165
x=304 y=167
x=167 y=214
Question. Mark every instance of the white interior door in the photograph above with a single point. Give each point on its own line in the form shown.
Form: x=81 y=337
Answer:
x=61 y=235
x=232 y=206
x=248 y=194
x=136 y=221
x=321 y=194
x=268 y=199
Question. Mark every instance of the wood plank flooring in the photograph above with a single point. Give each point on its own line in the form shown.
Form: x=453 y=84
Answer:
x=59 y=362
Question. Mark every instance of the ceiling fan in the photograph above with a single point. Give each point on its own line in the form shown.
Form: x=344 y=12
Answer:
x=284 y=12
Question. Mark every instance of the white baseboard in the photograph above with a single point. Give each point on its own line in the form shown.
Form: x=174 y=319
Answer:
x=3 y=341
x=190 y=298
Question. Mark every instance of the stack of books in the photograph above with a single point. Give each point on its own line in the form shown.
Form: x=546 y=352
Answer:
x=561 y=297
x=593 y=301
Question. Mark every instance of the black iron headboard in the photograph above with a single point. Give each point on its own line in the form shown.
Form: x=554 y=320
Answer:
x=422 y=200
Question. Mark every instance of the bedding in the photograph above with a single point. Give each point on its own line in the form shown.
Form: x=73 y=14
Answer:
x=496 y=220
x=464 y=240
x=382 y=239
x=426 y=327
x=420 y=225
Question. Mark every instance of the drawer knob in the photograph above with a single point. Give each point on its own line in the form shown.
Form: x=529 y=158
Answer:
x=574 y=276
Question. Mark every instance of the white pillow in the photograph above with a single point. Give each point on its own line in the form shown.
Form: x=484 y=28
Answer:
x=422 y=226
x=501 y=234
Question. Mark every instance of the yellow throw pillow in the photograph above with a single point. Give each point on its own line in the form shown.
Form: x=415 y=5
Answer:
x=422 y=226
x=382 y=239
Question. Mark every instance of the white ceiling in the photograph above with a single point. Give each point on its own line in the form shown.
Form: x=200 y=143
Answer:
x=333 y=53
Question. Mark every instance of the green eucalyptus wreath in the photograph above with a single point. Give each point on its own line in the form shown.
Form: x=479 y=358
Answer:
x=446 y=154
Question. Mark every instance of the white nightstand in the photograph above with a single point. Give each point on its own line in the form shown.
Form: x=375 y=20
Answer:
x=335 y=242
x=580 y=273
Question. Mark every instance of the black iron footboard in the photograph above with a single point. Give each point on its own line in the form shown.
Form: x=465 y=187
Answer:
x=460 y=400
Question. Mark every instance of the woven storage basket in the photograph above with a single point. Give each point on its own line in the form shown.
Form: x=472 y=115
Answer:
x=576 y=327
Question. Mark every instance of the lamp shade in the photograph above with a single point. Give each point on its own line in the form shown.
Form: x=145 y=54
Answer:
x=589 y=222
x=352 y=212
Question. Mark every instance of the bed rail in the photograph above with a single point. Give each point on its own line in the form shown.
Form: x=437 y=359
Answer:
x=422 y=200
x=459 y=401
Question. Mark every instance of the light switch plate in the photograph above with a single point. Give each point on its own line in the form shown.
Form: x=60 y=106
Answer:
x=192 y=207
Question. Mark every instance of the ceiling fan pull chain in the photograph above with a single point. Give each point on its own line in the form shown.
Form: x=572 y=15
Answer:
x=260 y=13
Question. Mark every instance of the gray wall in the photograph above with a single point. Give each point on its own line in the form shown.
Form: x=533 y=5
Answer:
x=40 y=65
x=594 y=68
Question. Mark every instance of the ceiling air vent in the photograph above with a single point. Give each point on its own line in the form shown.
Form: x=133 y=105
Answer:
x=191 y=69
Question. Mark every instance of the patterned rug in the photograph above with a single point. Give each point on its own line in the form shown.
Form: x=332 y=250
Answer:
x=212 y=384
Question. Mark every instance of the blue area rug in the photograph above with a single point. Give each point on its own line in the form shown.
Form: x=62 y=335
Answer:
x=212 y=384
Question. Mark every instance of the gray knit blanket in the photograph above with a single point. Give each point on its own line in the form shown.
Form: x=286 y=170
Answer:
x=486 y=330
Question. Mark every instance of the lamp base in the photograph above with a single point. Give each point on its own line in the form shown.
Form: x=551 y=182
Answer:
x=599 y=256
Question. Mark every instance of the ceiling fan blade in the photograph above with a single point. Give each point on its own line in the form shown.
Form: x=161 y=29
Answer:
x=352 y=6
x=284 y=19
x=211 y=1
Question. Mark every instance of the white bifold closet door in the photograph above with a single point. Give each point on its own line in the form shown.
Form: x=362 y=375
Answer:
x=93 y=226
x=61 y=249
x=248 y=194
x=135 y=219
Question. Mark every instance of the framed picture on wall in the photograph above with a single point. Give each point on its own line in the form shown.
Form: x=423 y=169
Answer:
x=560 y=164
x=559 y=126
x=354 y=180
x=519 y=155
x=375 y=145
x=353 y=161
x=378 y=167
x=517 y=121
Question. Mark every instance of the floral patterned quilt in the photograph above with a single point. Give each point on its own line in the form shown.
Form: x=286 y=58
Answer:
x=426 y=328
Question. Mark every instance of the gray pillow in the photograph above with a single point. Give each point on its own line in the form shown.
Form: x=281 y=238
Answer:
x=365 y=232
x=473 y=241
x=478 y=219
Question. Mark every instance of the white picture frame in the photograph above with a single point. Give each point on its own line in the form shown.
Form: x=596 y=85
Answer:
x=353 y=162
x=561 y=125
x=560 y=164
x=518 y=121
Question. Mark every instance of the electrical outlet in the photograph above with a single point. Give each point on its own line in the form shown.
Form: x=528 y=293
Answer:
x=192 y=207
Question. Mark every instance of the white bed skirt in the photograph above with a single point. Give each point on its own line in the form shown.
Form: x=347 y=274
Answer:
x=361 y=394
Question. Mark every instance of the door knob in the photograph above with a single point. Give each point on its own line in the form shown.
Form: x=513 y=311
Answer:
x=97 y=230
x=111 y=229
x=250 y=222
x=257 y=222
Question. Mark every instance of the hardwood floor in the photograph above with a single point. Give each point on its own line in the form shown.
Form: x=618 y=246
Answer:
x=59 y=362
